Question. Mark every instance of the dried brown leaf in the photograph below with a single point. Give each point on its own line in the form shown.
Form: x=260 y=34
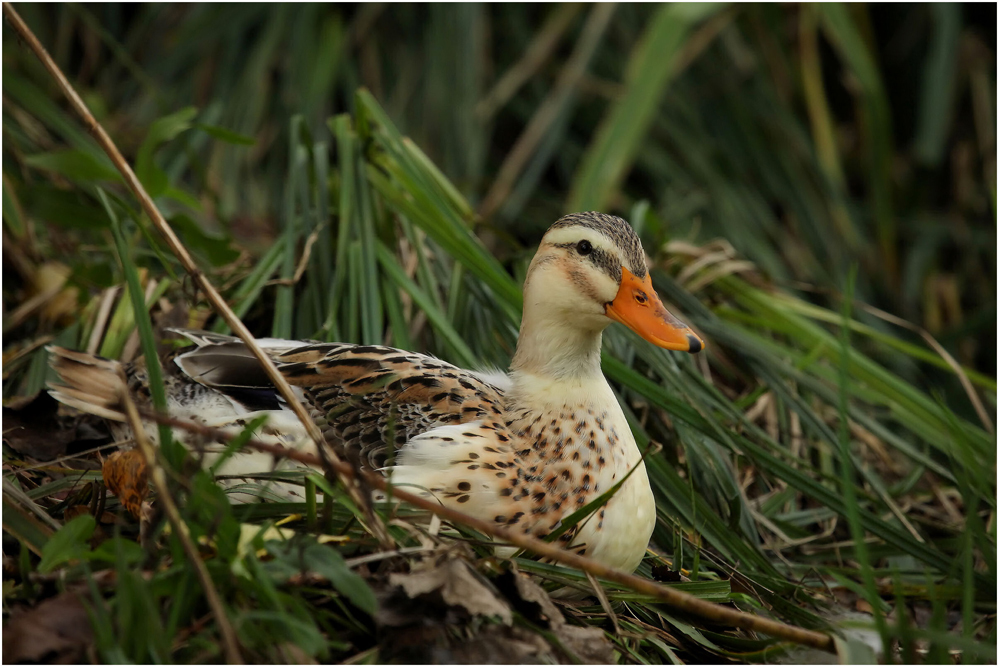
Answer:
x=56 y=631
x=455 y=584
x=127 y=477
x=31 y=427
x=590 y=645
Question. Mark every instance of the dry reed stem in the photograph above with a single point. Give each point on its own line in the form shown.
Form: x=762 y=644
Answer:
x=677 y=599
x=230 y=642
x=178 y=249
x=344 y=472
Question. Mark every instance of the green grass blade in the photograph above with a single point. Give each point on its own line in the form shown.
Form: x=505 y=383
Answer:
x=650 y=68
x=172 y=451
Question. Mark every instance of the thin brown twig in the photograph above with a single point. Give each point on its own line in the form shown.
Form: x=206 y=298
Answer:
x=28 y=308
x=230 y=641
x=328 y=459
x=601 y=594
x=101 y=319
x=50 y=465
x=969 y=389
x=537 y=54
x=303 y=261
x=702 y=38
x=677 y=599
x=178 y=249
x=958 y=369
x=548 y=111
x=23 y=352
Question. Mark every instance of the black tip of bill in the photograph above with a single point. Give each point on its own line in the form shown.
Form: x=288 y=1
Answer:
x=695 y=344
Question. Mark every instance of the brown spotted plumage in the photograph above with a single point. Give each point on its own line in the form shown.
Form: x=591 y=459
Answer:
x=524 y=450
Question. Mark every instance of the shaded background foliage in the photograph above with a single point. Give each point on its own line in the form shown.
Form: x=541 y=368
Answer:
x=810 y=139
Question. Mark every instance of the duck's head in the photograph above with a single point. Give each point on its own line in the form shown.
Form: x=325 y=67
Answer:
x=590 y=270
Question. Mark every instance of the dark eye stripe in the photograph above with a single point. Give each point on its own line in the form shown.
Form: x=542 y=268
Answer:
x=602 y=259
x=615 y=228
x=607 y=263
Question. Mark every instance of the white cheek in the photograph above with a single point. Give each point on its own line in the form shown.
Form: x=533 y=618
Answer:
x=605 y=286
x=569 y=288
x=559 y=294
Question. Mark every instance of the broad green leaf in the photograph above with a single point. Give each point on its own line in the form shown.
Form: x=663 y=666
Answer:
x=12 y=215
x=74 y=164
x=67 y=209
x=328 y=562
x=228 y=136
x=217 y=248
x=304 y=554
x=19 y=523
x=118 y=549
x=69 y=543
x=164 y=129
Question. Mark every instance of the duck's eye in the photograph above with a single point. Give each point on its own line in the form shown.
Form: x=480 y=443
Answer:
x=584 y=247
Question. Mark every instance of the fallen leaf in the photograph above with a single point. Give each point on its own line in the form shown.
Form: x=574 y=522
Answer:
x=56 y=631
x=455 y=584
x=530 y=599
x=500 y=645
x=31 y=427
x=587 y=644
x=441 y=612
x=127 y=477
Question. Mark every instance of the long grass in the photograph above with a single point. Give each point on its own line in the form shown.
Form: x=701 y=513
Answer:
x=817 y=459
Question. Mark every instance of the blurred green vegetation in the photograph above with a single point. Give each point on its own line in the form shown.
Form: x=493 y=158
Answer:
x=765 y=153
x=810 y=138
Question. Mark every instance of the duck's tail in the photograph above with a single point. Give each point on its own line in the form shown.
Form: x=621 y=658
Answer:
x=88 y=383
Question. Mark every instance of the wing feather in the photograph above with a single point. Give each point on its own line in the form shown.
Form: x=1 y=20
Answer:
x=369 y=400
x=376 y=399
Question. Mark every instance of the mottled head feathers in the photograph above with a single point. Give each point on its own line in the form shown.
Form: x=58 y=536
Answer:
x=619 y=232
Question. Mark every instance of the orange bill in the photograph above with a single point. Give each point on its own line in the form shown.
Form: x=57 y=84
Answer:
x=638 y=307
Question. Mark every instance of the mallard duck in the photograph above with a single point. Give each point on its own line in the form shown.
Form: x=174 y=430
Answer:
x=524 y=450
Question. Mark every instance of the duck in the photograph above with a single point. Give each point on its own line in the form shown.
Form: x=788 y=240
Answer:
x=524 y=449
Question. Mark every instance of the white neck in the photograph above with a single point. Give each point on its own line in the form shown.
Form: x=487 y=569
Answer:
x=553 y=346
